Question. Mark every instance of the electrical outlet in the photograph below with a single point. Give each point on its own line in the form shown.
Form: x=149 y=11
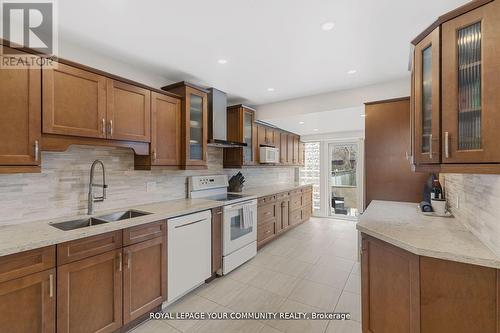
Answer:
x=150 y=186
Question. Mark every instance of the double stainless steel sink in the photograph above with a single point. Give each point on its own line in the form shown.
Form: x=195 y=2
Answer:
x=87 y=222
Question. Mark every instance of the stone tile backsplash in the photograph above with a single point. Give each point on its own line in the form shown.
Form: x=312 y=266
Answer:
x=61 y=189
x=475 y=199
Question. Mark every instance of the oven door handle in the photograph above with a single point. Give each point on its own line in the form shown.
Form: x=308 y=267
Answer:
x=240 y=205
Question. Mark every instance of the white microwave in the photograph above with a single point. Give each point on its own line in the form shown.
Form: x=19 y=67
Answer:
x=269 y=155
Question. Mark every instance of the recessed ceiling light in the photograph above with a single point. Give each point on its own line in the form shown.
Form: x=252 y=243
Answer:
x=222 y=61
x=315 y=130
x=327 y=26
x=301 y=123
x=270 y=89
x=352 y=71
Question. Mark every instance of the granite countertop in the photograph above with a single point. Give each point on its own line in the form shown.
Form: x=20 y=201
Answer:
x=262 y=191
x=402 y=225
x=32 y=235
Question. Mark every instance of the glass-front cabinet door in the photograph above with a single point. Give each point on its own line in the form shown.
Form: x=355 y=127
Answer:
x=471 y=86
x=248 y=137
x=196 y=127
x=427 y=99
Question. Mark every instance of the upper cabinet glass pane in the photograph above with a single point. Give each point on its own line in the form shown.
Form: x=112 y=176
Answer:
x=195 y=127
x=247 y=135
x=469 y=87
x=426 y=99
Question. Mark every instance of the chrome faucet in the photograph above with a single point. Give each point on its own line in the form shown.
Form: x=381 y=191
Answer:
x=91 y=198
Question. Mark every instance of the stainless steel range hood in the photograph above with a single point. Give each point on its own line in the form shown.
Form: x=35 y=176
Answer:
x=217 y=123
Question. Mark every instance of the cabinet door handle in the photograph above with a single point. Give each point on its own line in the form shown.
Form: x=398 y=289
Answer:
x=120 y=263
x=111 y=127
x=154 y=155
x=447 y=144
x=430 y=146
x=51 y=285
x=103 y=122
x=129 y=261
x=37 y=150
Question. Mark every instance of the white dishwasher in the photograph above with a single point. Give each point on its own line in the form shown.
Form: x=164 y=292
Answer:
x=189 y=253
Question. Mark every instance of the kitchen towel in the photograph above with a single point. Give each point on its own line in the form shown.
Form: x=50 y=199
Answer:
x=247 y=217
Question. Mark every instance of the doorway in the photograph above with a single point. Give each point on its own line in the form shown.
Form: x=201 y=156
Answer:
x=344 y=179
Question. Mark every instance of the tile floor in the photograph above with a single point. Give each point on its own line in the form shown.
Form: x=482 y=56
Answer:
x=311 y=268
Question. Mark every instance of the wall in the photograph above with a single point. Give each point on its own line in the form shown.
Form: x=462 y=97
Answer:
x=479 y=204
x=61 y=189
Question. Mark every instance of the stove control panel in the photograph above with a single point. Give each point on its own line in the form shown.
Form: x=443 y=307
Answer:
x=200 y=183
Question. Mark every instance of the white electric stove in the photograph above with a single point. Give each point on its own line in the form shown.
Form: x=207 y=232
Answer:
x=239 y=221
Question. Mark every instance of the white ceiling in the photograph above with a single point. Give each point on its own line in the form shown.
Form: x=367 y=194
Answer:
x=267 y=43
x=340 y=120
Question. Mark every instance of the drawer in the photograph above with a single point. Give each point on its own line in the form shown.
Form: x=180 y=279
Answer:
x=295 y=202
x=88 y=247
x=267 y=199
x=282 y=196
x=295 y=217
x=144 y=232
x=265 y=230
x=25 y=263
x=296 y=192
x=266 y=213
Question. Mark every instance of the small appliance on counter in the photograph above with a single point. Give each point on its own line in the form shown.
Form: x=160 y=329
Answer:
x=236 y=182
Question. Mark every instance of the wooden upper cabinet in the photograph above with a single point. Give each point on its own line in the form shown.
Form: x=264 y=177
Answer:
x=470 y=86
x=20 y=116
x=295 y=150
x=289 y=149
x=301 y=158
x=240 y=128
x=283 y=148
x=427 y=99
x=89 y=294
x=128 y=112
x=74 y=102
x=269 y=136
x=78 y=102
x=166 y=130
x=194 y=123
x=261 y=139
x=28 y=304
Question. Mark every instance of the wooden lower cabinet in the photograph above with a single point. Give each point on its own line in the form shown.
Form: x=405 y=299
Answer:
x=144 y=277
x=279 y=212
x=403 y=292
x=216 y=240
x=285 y=217
x=295 y=217
x=28 y=304
x=390 y=289
x=89 y=294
